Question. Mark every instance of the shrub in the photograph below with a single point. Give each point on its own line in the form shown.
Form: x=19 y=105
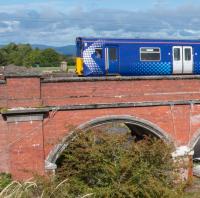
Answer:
x=114 y=165
x=5 y=179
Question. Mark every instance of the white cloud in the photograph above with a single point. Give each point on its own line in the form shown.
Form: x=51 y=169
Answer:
x=8 y=26
x=41 y=23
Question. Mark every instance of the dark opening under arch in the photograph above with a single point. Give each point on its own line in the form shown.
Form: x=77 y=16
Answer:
x=195 y=144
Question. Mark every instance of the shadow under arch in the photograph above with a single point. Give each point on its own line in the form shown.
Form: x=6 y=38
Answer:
x=130 y=121
x=194 y=144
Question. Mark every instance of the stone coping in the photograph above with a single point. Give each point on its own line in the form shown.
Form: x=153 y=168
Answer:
x=22 y=75
x=24 y=111
x=8 y=112
x=53 y=79
x=118 y=78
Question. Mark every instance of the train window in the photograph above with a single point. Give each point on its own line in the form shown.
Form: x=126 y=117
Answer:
x=113 y=54
x=149 y=54
x=98 y=53
x=177 y=54
x=188 y=54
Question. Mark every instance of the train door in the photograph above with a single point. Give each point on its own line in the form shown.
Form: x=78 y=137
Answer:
x=112 y=59
x=187 y=60
x=182 y=60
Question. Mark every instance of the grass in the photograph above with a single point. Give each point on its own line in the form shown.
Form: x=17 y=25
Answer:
x=194 y=190
x=49 y=69
x=41 y=189
x=45 y=69
x=44 y=188
x=5 y=179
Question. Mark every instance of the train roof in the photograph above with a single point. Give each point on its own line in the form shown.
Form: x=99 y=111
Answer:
x=139 y=40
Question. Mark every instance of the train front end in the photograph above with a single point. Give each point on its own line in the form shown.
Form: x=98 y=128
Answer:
x=79 y=59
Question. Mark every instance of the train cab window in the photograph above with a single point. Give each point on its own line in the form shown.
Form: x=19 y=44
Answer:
x=98 y=53
x=113 y=54
x=150 y=54
x=177 y=54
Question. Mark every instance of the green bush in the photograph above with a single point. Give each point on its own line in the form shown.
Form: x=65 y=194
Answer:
x=114 y=165
x=5 y=179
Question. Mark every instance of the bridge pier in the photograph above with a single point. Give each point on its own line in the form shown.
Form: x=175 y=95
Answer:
x=25 y=144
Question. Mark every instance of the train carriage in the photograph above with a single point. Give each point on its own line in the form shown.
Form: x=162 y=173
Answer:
x=136 y=57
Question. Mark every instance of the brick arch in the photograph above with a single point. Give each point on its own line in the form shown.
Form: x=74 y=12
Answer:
x=126 y=119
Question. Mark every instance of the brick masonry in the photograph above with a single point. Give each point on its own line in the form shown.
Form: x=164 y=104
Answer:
x=26 y=144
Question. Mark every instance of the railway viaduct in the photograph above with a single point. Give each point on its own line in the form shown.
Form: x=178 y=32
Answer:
x=38 y=115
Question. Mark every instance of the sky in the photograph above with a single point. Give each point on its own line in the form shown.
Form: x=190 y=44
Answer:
x=59 y=22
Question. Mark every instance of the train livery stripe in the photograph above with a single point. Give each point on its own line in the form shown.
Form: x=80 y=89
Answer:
x=142 y=42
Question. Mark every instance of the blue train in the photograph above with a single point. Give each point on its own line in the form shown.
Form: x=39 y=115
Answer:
x=136 y=57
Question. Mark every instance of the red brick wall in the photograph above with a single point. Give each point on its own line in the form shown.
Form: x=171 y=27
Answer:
x=23 y=92
x=26 y=149
x=3 y=95
x=23 y=152
x=119 y=91
x=4 y=147
x=28 y=92
x=175 y=121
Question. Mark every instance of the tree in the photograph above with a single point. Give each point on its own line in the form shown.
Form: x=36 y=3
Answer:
x=17 y=53
x=3 y=57
x=50 y=58
x=33 y=58
x=24 y=55
x=71 y=60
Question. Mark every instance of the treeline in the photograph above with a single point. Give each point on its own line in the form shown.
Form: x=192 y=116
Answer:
x=25 y=55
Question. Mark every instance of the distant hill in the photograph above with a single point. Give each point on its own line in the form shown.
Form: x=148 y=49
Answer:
x=67 y=50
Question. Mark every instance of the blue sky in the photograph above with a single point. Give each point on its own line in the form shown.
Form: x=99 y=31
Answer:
x=59 y=22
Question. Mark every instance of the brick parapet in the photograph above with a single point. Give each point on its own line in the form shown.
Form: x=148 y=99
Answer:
x=34 y=91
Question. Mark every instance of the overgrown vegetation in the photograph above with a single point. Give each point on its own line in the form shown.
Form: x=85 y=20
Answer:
x=25 y=55
x=101 y=164
x=5 y=179
x=110 y=165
